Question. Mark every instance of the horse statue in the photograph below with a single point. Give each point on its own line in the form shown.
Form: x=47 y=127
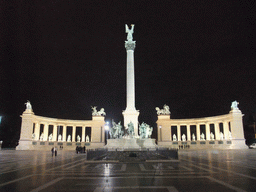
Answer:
x=164 y=111
x=101 y=112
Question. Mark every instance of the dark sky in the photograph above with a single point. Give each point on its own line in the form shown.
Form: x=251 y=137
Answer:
x=66 y=56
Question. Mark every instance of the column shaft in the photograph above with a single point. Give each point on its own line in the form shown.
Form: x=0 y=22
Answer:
x=225 y=129
x=83 y=134
x=207 y=131
x=198 y=132
x=178 y=133
x=217 y=131
x=37 y=131
x=54 y=135
x=188 y=133
x=46 y=131
x=64 y=135
x=74 y=134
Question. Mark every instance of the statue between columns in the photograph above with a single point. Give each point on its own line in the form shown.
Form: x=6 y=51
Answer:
x=129 y=32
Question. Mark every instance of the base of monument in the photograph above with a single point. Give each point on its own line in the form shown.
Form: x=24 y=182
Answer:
x=61 y=145
x=25 y=145
x=238 y=144
x=130 y=144
x=205 y=144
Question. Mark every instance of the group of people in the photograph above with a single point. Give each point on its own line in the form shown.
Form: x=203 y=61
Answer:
x=80 y=149
x=54 y=151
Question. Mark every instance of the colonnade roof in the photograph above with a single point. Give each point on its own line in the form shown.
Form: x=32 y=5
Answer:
x=202 y=120
x=67 y=122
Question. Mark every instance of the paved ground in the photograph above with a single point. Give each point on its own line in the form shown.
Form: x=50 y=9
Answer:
x=209 y=170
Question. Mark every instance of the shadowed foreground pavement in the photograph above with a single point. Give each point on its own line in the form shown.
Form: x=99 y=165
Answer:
x=208 y=170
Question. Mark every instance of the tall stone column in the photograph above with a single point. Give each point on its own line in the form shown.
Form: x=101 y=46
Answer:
x=217 y=131
x=46 y=131
x=37 y=131
x=130 y=114
x=207 y=131
x=74 y=134
x=188 y=133
x=225 y=129
x=83 y=134
x=54 y=135
x=64 y=135
x=178 y=133
x=198 y=132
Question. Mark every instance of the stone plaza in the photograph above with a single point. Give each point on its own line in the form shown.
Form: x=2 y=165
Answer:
x=195 y=170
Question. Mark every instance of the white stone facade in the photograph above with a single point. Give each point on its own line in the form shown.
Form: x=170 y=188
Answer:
x=31 y=137
x=231 y=125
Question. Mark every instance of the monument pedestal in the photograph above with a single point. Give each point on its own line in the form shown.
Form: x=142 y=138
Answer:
x=131 y=116
x=130 y=143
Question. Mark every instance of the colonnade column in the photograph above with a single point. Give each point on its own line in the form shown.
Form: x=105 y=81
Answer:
x=225 y=129
x=37 y=131
x=74 y=134
x=198 y=132
x=178 y=133
x=83 y=134
x=217 y=131
x=46 y=131
x=188 y=133
x=64 y=133
x=207 y=131
x=54 y=135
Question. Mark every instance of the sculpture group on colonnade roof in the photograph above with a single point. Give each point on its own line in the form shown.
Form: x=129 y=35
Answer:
x=164 y=111
x=234 y=105
x=28 y=105
x=101 y=112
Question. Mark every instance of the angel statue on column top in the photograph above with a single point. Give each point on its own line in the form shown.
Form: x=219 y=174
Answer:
x=129 y=32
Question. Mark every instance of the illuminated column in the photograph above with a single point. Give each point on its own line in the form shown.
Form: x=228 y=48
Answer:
x=217 y=131
x=188 y=133
x=54 y=135
x=37 y=131
x=46 y=131
x=225 y=129
x=64 y=135
x=178 y=133
x=130 y=114
x=74 y=134
x=198 y=132
x=207 y=131
x=83 y=134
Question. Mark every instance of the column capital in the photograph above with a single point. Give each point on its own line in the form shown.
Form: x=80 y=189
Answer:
x=130 y=45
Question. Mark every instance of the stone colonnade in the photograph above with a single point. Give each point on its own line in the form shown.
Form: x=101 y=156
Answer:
x=51 y=130
x=190 y=131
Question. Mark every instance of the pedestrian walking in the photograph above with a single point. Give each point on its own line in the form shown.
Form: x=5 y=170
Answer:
x=52 y=151
x=55 y=151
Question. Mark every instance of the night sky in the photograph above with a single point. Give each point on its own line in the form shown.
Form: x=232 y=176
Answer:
x=66 y=56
